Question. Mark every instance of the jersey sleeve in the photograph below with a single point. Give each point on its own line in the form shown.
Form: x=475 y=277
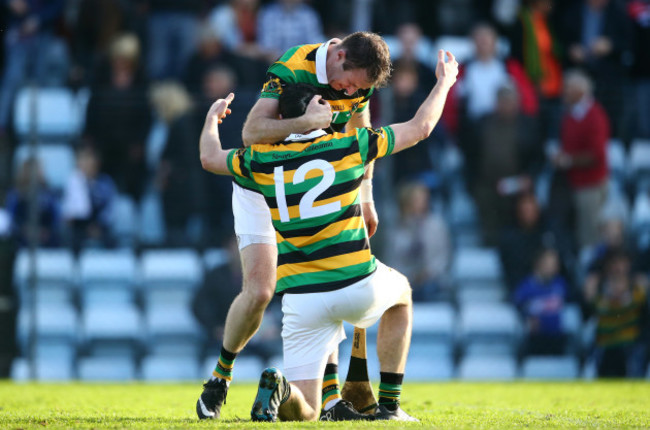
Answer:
x=364 y=104
x=277 y=77
x=375 y=142
x=239 y=163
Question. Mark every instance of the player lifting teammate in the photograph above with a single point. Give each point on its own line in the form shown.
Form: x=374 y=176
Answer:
x=311 y=183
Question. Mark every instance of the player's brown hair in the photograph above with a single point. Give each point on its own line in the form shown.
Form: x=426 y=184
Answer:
x=368 y=51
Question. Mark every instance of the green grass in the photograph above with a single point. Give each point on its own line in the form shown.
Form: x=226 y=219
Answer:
x=443 y=405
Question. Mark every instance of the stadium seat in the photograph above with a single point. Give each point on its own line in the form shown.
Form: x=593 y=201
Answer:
x=106 y=369
x=616 y=158
x=97 y=266
x=46 y=370
x=489 y=293
x=477 y=268
x=125 y=220
x=215 y=257
x=461 y=211
x=487 y=368
x=166 y=368
x=56 y=159
x=56 y=113
x=151 y=222
x=55 y=349
x=52 y=266
x=170 y=268
x=112 y=322
x=639 y=164
x=434 y=319
x=572 y=325
x=550 y=368
x=491 y=325
x=171 y=321
x=641 y=211
x=421 y=368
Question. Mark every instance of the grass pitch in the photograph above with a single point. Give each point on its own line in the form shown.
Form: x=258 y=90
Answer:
x=440 y=405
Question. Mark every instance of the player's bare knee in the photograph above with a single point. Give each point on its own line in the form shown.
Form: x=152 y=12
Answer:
x=259 y=294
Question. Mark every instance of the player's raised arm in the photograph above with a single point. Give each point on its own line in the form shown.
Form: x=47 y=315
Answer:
x=213 y=157
x=421 y=125
x=263 y=126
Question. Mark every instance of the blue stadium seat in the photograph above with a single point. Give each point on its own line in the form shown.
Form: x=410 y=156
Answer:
x=151 y=228
x=112 y=322
x=55 y=268
x=113 y=369
x=98 y=266
x=166 y=368
x=170 y=268
x=638 y=164
x=566 y=367
x=420 y=368
x=125 y=220
x=57 y=113
x=56 y=159
x=56 y=369
x=490 y=326
x=641 y=211
x=616 y=159
x=477 y=269
x=487 y=368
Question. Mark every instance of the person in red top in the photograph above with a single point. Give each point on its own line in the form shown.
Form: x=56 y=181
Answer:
x=584 y=135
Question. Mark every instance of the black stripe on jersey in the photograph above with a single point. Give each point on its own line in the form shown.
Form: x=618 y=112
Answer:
x=373 y=148
x=333 y=250
x=311 y=55
x=294 y=163
x=242 y=164
x=351 y=212
x=333 y=191
x=324 y=287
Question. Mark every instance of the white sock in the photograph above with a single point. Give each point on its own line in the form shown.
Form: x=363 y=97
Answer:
x=329 y=405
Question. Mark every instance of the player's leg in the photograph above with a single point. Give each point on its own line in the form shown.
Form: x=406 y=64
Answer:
x=304 y=402
x=393 y=341
x=258 y=254
x=247 y=310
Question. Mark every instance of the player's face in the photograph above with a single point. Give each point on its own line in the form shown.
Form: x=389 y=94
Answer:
x=349 y=81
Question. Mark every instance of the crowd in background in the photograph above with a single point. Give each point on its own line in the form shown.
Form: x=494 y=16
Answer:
x=543 y=90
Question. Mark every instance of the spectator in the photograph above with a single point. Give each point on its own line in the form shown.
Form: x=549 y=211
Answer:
x=181 y=184
x=211 y=53
x=508 y=155
x=88 y=200
x=639 y=11
x=172 y=32
x=235 y=23
x=411 y=48
x=420 y=245
x=118 y=117
x=30 y=40
x=535 y=45
x=597 y=40
x=48 y=227
x=402 y=100
x=287 y=23
x=97 y=23
x=540 y=299
x=621 y=308
x=520 y=242
x=210 y=305
x=583 y=154
x=475 y=95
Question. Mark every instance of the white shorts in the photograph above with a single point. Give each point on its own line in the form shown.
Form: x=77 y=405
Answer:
x=312 y=326
x=252 y=218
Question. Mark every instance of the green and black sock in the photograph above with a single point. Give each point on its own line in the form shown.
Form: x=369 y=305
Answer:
x=225 y=365
x=331 y=387
x=390 y=389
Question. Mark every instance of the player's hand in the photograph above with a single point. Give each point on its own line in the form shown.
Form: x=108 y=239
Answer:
x=446 y=71
x=219 y=109
x=370 y=217
x=318 y=114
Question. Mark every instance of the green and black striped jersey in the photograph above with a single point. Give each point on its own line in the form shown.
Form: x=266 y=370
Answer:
x=306 y=64
x=311 y=186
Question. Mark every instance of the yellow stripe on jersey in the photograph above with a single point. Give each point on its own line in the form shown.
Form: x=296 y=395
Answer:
x=294 y=211
x=328 y=232
x=347 y=162
x=298 y=60
x=324 y=264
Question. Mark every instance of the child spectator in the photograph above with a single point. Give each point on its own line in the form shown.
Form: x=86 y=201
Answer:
x=620 y=305
x=88 y=200
x=47 y=233
x=540 y=299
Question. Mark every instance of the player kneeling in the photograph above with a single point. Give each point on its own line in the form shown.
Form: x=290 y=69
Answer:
x=326 y=272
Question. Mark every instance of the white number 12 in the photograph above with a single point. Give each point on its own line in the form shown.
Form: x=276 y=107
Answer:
x=306 y=207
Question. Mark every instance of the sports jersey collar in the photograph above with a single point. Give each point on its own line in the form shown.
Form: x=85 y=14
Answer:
x=313 y=135
x=321 y=63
